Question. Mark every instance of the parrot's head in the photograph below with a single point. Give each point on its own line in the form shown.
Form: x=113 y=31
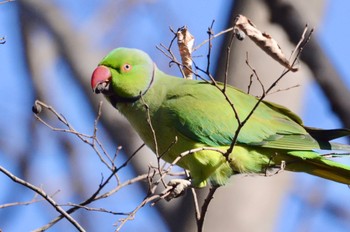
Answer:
x=124 y=75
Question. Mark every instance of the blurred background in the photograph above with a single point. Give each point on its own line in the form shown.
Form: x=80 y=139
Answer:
x=51 y=49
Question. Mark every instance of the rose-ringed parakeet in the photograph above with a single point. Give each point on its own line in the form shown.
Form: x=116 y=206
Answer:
x=190 y=114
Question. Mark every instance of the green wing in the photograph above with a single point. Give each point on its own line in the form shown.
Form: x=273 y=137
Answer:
x=201 y=113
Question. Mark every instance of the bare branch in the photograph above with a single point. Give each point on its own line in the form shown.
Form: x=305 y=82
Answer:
x=35 y=199
x=213 y=37
x=42 y=193
x=102 y=210
x=227 y=65
x=94 y=197
x=91 y=140
x=268 y=45
x=255 y=74
x=285 y=14
x=210 y=196
x=242 y=123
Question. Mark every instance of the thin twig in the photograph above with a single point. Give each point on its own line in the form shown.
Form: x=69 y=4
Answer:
x=42 y=193
x=94 y=142
x=210 y=46
x=213 y=37
x=35 y=199
x=196 y=204
x=101 y=210
x=228 y=52
x=204 y=210
x=133 y=213
x=170 y=54
x=260 y=100
x=255 y=74
x=94 y=197
x=241 y=122
x=88 y=139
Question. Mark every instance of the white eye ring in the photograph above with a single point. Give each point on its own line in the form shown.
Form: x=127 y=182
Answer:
x=127 y=67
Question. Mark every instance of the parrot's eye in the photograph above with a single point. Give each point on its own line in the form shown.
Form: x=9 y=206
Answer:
x=126 y=67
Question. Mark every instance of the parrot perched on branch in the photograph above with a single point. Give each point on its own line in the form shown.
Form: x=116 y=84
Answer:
x=187 y=115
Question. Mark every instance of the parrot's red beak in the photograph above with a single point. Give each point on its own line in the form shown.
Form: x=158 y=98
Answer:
x=100 y=79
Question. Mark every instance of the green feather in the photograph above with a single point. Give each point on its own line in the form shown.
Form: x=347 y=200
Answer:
x=195 y=114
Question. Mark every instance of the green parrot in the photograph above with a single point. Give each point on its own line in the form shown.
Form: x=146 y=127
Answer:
x=192 y=114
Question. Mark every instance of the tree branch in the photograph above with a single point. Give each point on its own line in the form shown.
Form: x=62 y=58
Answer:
x=44 y=195
x=284 y=13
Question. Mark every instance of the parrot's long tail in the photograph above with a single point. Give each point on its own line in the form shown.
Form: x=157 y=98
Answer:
x=319 y=165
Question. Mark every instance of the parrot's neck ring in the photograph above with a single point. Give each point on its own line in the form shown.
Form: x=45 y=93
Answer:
x=117 y=99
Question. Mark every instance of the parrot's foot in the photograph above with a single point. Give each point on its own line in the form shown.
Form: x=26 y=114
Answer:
x=175 y=188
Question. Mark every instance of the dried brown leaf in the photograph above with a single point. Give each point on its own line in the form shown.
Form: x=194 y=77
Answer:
x=185 y=42
x=263 y=40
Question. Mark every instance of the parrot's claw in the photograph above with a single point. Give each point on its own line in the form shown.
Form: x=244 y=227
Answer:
x=175 y=188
